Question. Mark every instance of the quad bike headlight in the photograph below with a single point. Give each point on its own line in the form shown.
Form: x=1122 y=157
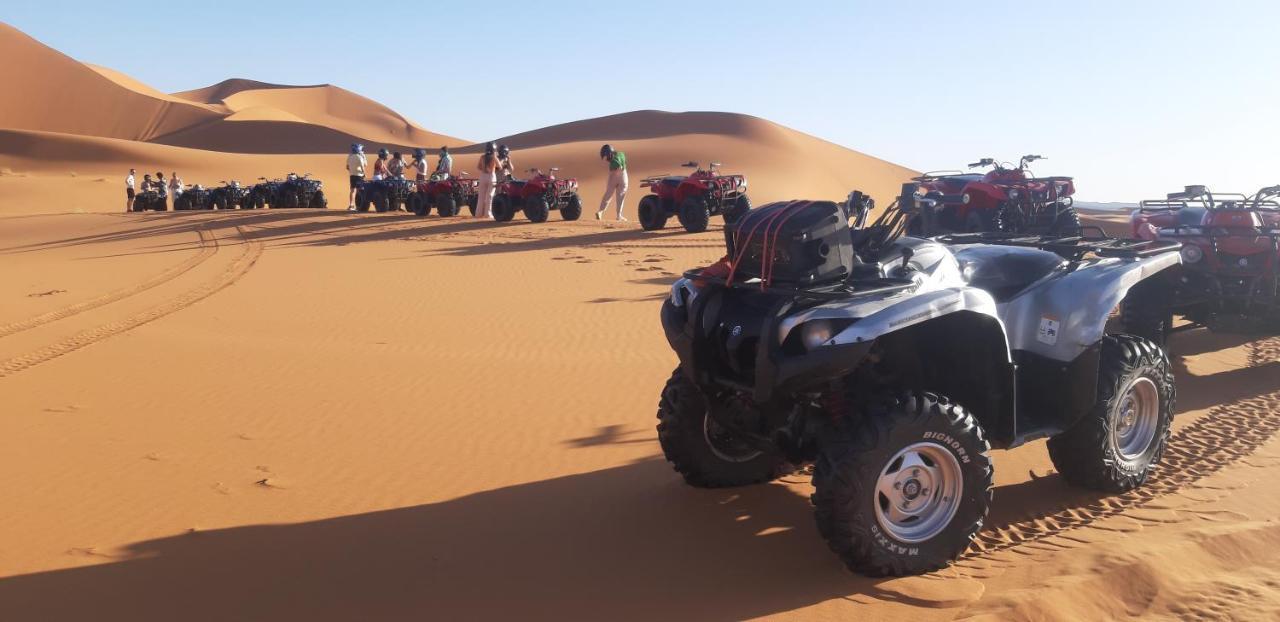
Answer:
x=1191 y=253
x=814 y=334
x=965 y=198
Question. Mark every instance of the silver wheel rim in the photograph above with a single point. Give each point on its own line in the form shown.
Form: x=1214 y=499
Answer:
x=1133 y=424
x=918 y=492
x=726 y=445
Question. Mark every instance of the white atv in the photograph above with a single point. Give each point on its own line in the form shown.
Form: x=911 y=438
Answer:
x=894 y=364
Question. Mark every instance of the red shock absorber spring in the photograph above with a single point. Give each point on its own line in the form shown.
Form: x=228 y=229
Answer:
x=834 y=400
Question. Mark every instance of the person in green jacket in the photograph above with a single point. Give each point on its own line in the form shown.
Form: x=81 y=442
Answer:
x=616 y=186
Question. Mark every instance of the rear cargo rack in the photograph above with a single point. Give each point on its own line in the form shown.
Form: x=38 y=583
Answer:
x=835 y=291
x=1074 y=246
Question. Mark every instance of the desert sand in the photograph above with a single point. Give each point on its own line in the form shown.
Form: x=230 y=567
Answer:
x=305 y=415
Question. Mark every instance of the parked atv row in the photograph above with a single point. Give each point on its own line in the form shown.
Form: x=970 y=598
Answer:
x=693 y=199
x=294 y=191
x=1230 y=273
x=1006 y=199
x=893 y=365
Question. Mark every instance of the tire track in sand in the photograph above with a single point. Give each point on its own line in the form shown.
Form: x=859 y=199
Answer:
x=232 y=273
x=208 y=247
x=1224 y=435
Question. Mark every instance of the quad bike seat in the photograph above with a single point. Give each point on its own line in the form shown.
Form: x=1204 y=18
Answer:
x=1004 y=271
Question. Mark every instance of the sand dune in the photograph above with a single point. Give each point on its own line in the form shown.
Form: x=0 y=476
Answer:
x=48 y=91
x=294 y=414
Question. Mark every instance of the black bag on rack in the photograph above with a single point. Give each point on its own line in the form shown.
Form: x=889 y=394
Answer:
x=809 y=241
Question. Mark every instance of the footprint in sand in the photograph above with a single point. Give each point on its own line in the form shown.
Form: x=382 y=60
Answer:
x=221 y=488
x=154 y=457
x=62 y=409
x=48 y=293
x=585 y=260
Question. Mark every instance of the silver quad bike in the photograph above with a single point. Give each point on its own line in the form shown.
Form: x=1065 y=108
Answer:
x=894 y=364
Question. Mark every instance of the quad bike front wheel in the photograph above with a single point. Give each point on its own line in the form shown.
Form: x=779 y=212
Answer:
x=979 y=221
x=447 y=204
x=1115 y=447
x=572 y=210
x=740 y=207
x=1066 y=222
x=902 y=489
x=502 y=209
x=318 y=201
x=536 y=208
x=694 y=215
x=381 y=202
x=419 y=205
x=706 y=453
x=472 y=201
x=652 y=216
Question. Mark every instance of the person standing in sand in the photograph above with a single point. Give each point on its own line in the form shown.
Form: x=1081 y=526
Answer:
x=175 y=187
x=616 y=185
x=355 y=170
x=505 y=169
x=488 y=169
x=162 y=189
x=444 y=167
x=129 y=190
x=420 y=164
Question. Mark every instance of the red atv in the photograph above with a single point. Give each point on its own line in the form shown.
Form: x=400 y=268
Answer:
x=1004 y=199
x=1230 y=251
x=693 y=199
x=446 y=193
x=537 y=196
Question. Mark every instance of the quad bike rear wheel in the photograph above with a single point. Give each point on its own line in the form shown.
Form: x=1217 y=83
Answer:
x=1115 y=447
x=318 y=201
x=472 y=201
x=707 y=454
x=694 y=215
x=740 y=207
x=572 y=210
x=652 y=216
x=220 y=203
x=381 y=202
x=1146 y=312
x=903 y=488
x=419 y=205
x=503 y=211
x=536 y=208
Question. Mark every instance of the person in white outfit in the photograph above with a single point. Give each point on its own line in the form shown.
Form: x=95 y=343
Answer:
x=488 y=169
x=356 y=164
x=616 y=185
x=175 y=186
x=129 y=190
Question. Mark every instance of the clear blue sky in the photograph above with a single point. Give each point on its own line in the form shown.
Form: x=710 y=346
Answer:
x=1134 y=98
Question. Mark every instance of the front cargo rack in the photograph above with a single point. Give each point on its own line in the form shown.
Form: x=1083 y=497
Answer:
x=1073 y=246
x=832 y=291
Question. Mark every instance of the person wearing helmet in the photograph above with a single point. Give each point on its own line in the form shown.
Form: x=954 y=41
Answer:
x=505 y=169
x=420 y=163
x=380 y=165
x=397 y=165
x=356 y=163
x=616 y=185
x=444 y=168
x=488 y=169
x=162 y=188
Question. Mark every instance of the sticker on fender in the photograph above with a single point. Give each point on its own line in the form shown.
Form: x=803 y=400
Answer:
x=1048 y=333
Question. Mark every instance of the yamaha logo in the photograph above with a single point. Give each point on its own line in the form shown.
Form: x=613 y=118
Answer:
x=735 y=331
